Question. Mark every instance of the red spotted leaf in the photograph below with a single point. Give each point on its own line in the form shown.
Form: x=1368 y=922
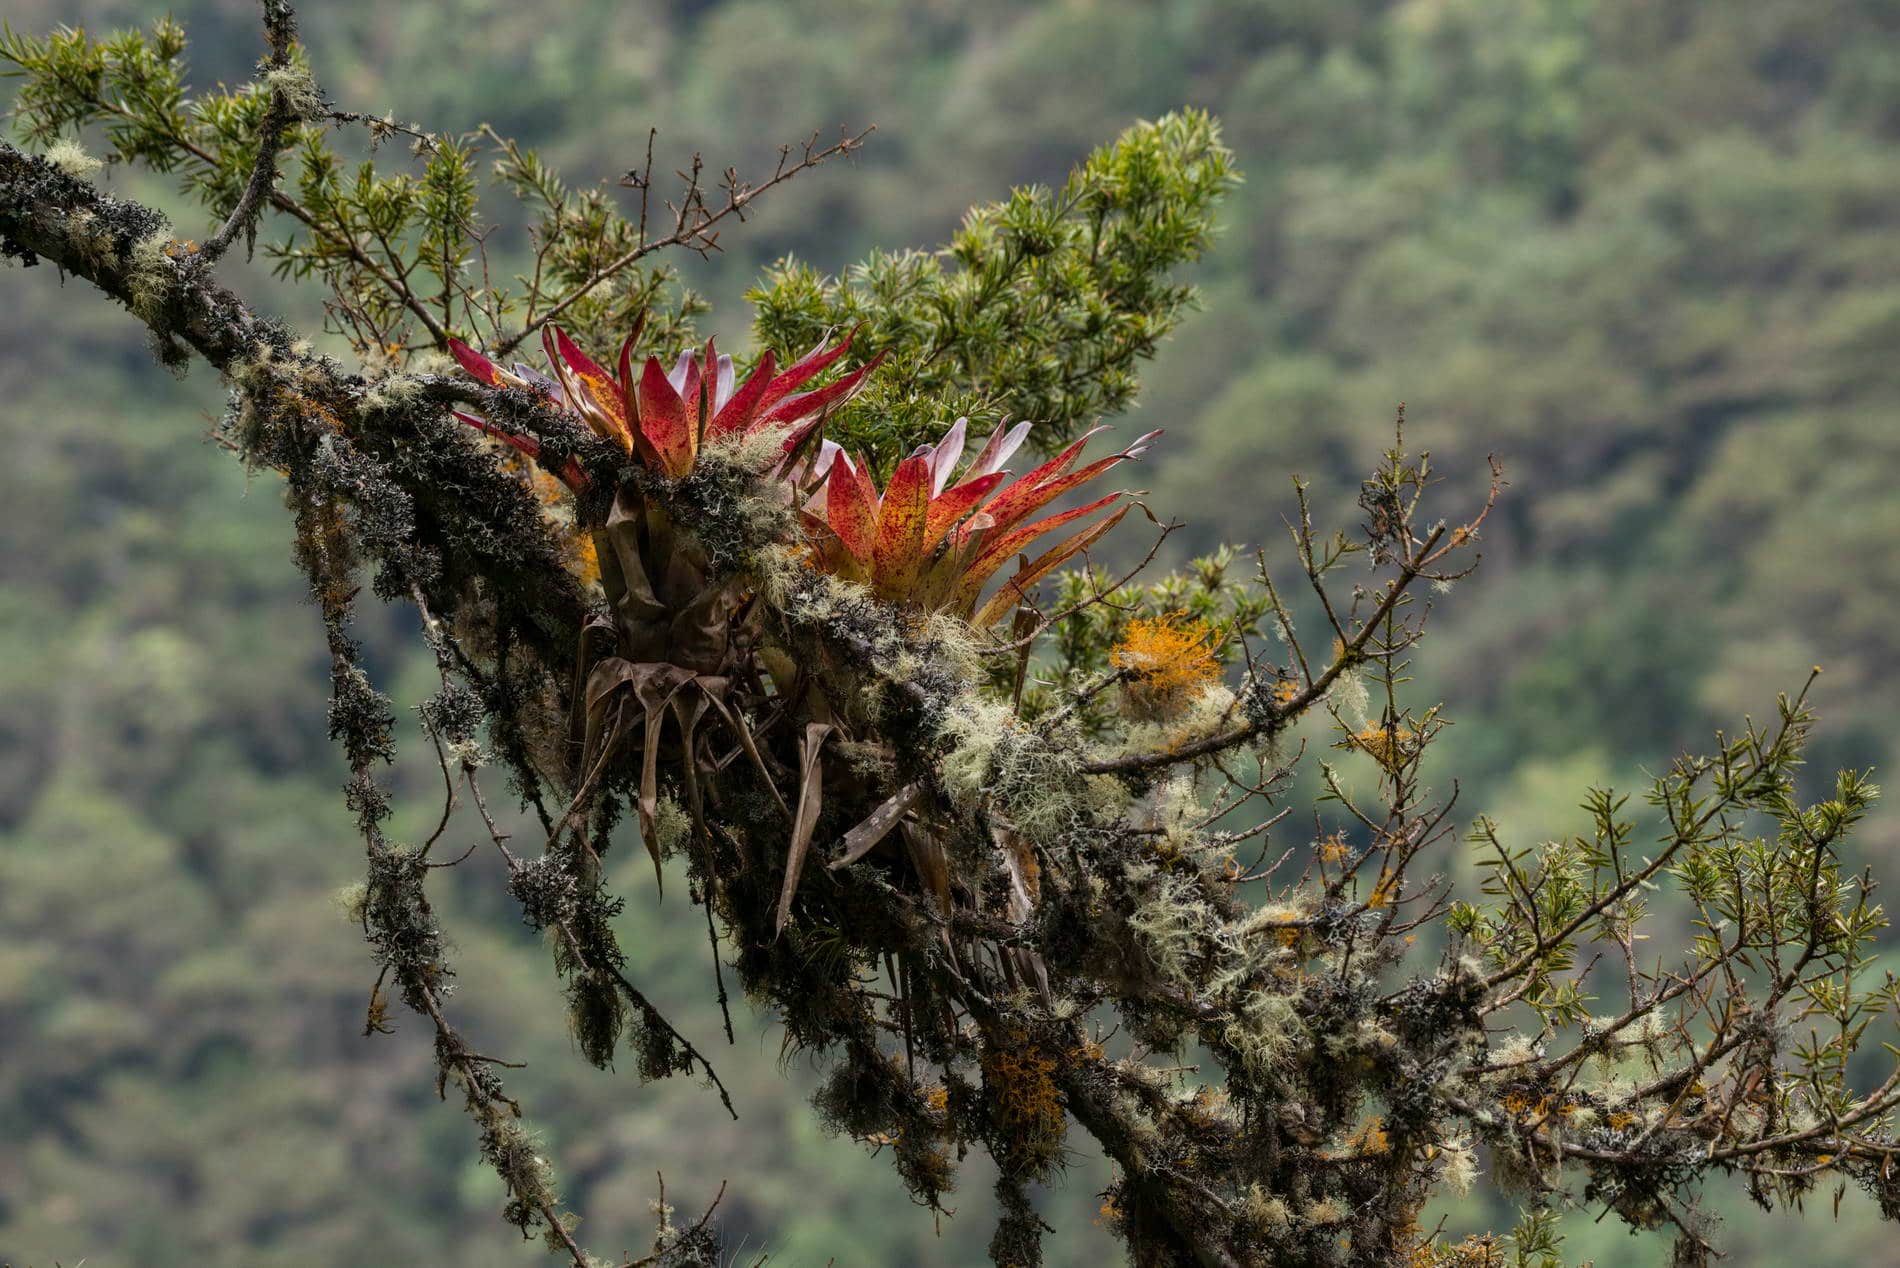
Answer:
x=596 y=393
x=996 y=549
x=1016 y=589
x=952 y=505
x=736 y=414
x=898 y=555
x=851 y=508
x=663 y=421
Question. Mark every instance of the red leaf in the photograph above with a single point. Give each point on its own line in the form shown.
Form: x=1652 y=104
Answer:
x=690 y=384
x=1016 y=589
x=793 y=407
x=641 y=447
x=809 y=366
x=997 y=550
x=598 y=398
x=571 y=473
x=851 y=508
x=1049 y=491
x=478 y=366
x=526 y=444
x=949 y=507
x=898 y=555
x=663 y=421
x=626 y=357
x=736 y=414
x=1015 y=502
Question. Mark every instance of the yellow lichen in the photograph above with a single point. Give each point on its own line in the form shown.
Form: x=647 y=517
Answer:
x=1371 y=1138
x=71 y=158
x=1024 y=1099
x=1387 y=745
x=1167 y=658
x=583 y=560
x=1384 y=890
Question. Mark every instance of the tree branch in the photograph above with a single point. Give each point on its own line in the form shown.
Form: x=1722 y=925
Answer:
x=280 y=29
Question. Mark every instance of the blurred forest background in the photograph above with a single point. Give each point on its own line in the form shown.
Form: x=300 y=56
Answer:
x=1647 y=251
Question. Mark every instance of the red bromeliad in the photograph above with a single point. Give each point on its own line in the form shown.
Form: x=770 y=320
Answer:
x=931 y=540
x=680 y=631
x=664 y=418
x=933 y=544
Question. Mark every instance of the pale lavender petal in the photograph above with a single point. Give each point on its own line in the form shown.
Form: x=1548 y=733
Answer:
x=722 y=384
x=829 y=451
x=948 y=454
x=677 y=376
x=812 y=471
x=998 y=450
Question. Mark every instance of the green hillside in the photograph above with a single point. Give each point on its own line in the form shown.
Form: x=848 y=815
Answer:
x=1647 y=252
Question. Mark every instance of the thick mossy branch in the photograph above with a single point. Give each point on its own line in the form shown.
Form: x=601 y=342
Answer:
x=431 y=503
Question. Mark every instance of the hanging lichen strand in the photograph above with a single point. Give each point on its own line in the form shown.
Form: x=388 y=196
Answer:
x=777 y=621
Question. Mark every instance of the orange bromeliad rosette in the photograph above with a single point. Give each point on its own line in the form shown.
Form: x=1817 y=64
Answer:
x=930 y=541
x=934 y=541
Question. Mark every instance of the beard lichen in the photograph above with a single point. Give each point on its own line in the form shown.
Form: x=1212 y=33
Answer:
x=71 y=158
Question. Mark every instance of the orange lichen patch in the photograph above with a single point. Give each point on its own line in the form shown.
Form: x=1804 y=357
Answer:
x=1168 y=654
x=1371 y=1138
x=311 y=408
x=178 y=249
x=1205 y=1110
x=1484 y=1250
x=557 y=500
x=1167 y=658
x=1387 y=745
x=1024 y=1099
x=1516 y=1102
x=550 y=491
x=937 y=1098
x=1286 y=692
x=1621 y=1119
x=1384 y=890
x=1332 y=849
x=583 y=560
